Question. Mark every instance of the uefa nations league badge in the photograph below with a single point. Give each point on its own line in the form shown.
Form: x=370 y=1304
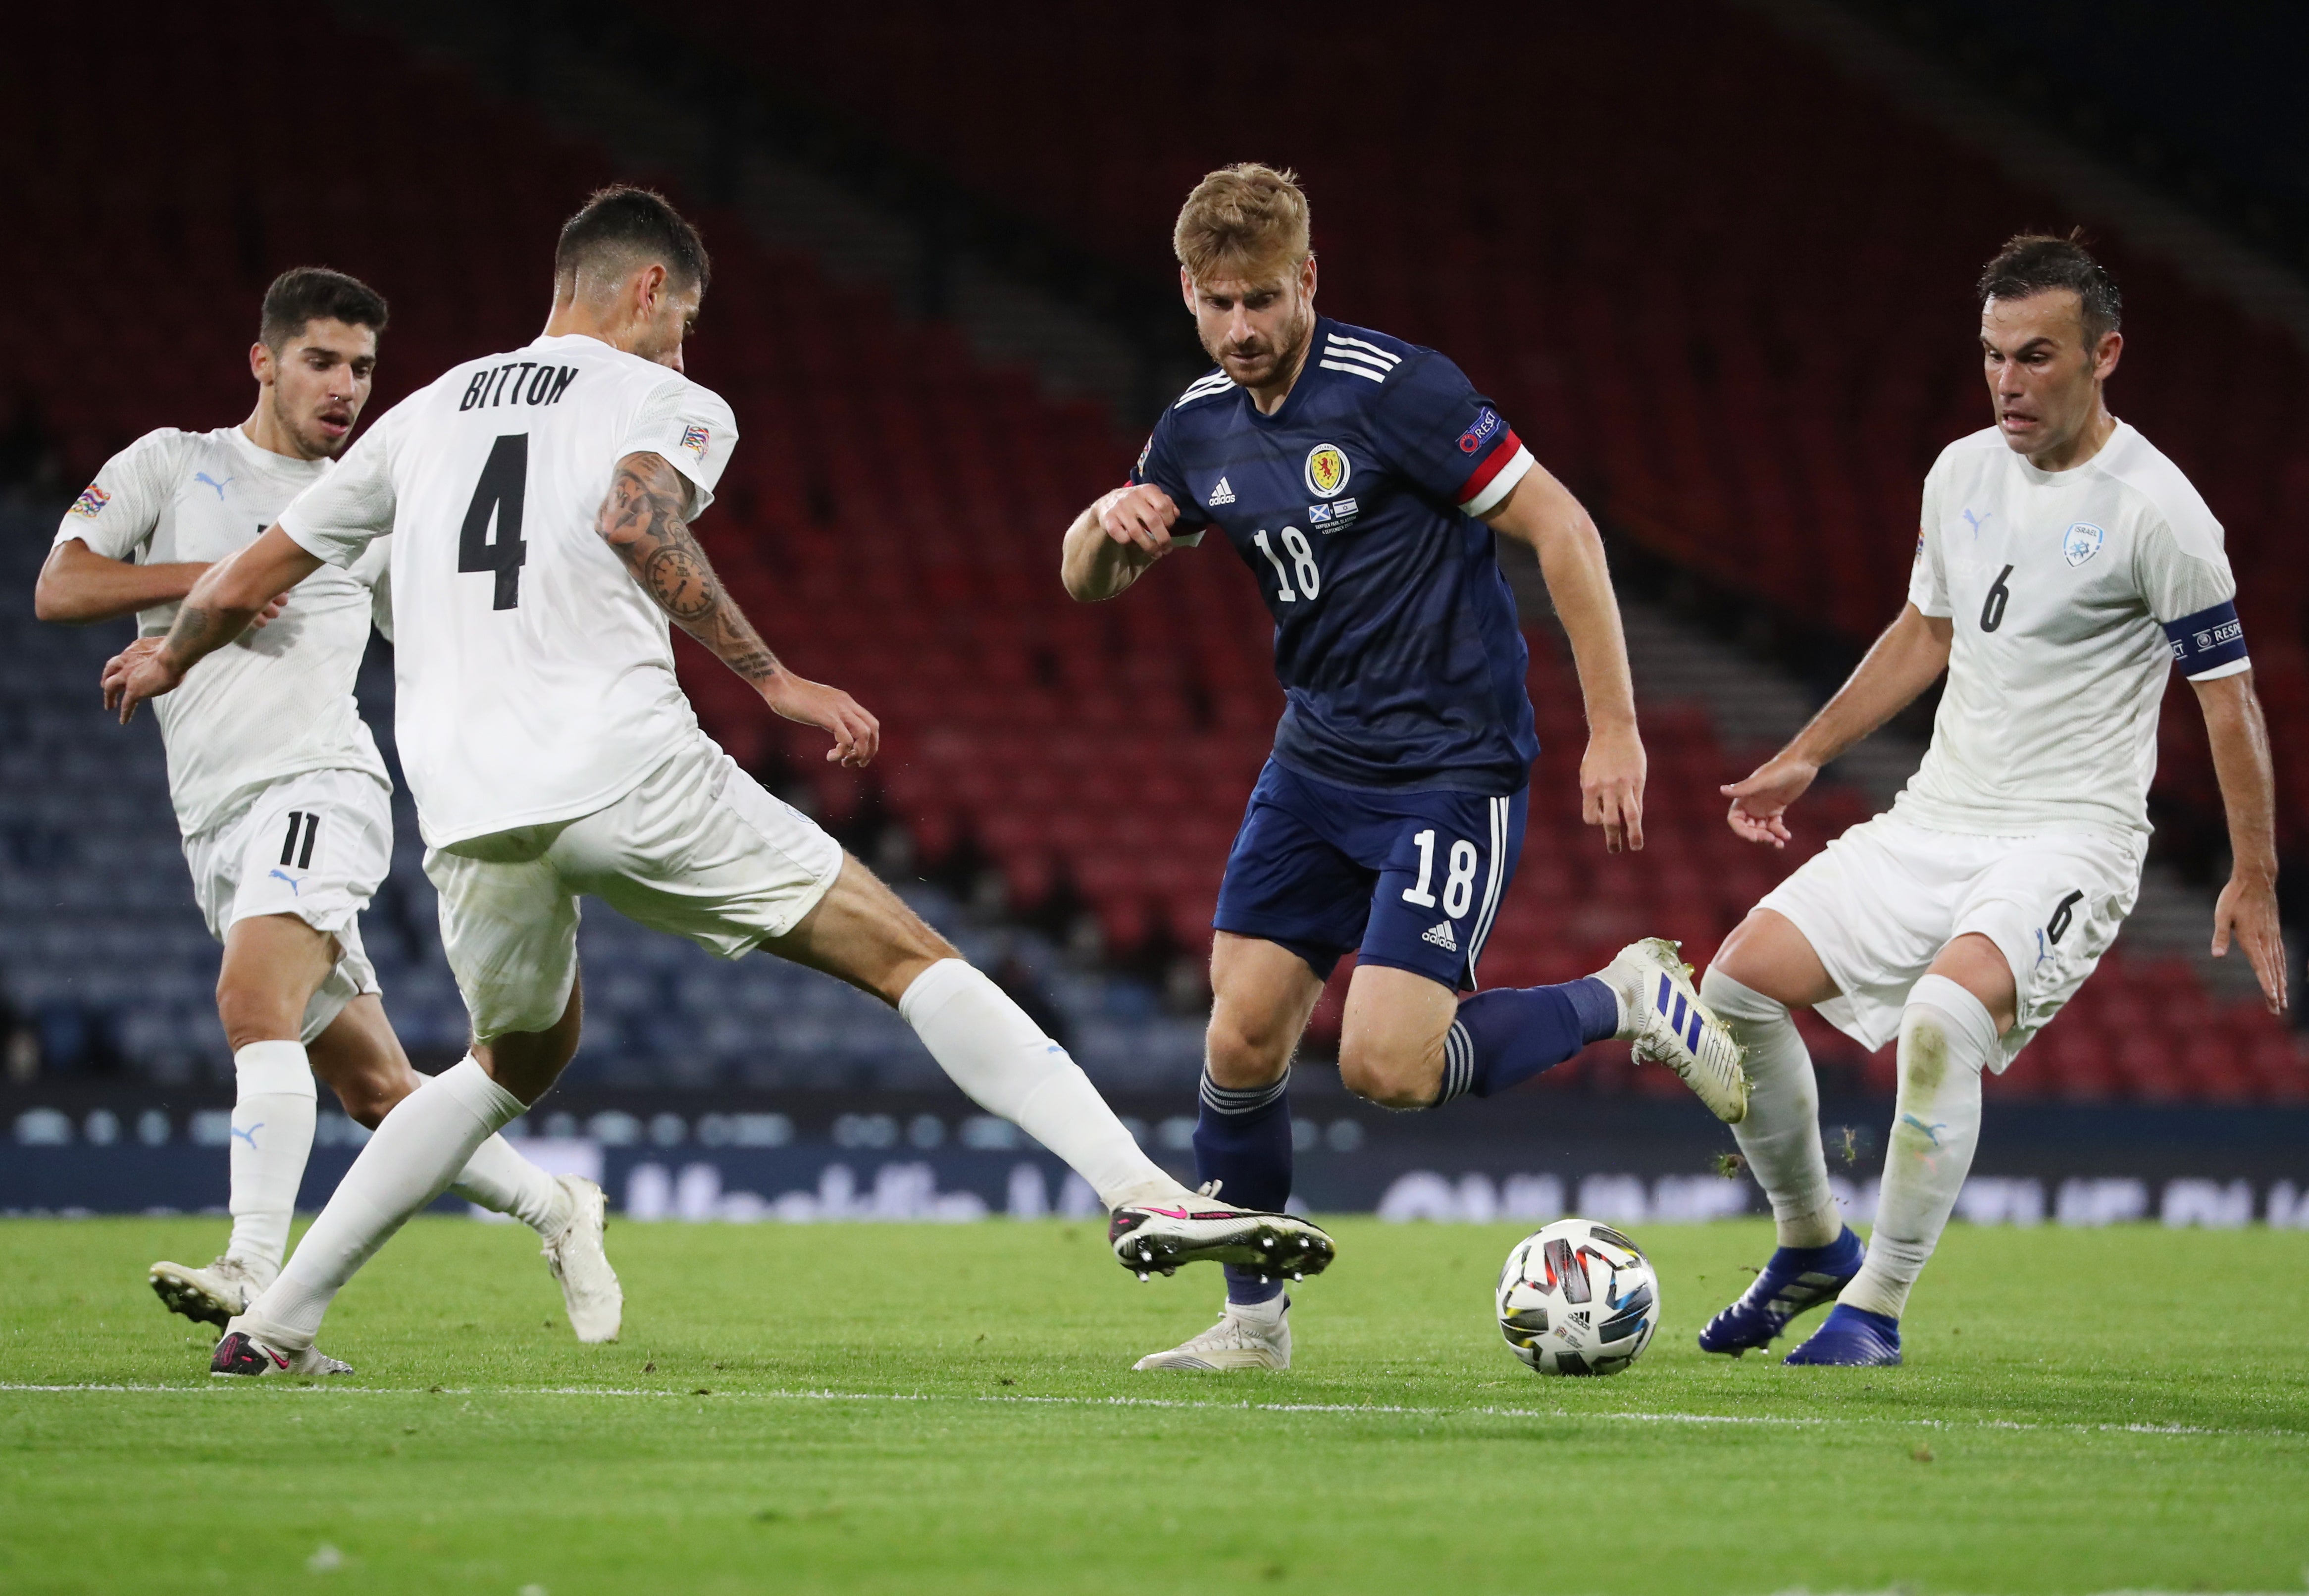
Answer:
x=2081 y=541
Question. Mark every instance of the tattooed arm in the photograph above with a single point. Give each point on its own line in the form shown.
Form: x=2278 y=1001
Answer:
x=643 y=520
x=230 y=594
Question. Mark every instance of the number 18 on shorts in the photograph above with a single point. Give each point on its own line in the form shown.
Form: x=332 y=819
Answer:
x=1411 y=879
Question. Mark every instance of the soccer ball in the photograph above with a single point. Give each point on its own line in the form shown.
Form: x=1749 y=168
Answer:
x=1577 y=1298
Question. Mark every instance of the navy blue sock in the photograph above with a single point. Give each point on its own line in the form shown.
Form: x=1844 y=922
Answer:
x=1242 y=1141
x=1510 y=1036
x=1842 y=1256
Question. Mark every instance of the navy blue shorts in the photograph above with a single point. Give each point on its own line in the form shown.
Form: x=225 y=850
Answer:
x=1411 y=879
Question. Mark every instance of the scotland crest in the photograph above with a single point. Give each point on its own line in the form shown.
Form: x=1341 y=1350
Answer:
x=1327 y=470
x=2081 y=541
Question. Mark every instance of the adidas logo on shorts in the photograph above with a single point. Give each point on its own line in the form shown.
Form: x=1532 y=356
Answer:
x=1441 y=937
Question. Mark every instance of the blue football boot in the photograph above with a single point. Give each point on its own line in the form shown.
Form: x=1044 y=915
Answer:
x=1796 y=1280
x=1850 y=1338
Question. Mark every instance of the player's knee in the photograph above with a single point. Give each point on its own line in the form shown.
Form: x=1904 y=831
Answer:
x=1241 y=1057
x=368 y=1095
x=250 y=1013
x=364 y=1105
x=1934 y=1057
x=1388 y=1074
x=1735 y=1001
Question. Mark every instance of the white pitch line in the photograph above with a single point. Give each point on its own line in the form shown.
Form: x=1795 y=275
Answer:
x=1373 y=1409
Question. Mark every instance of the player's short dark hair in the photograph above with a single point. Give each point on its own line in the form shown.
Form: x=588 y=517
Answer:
x=638 y=224
x=2039 y=262
x=307 y=294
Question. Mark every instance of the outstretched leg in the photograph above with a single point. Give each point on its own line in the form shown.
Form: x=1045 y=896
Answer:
x=864 y=933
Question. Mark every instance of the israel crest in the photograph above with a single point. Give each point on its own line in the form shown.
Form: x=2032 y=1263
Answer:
x=2081 y=541
x=1327 y=470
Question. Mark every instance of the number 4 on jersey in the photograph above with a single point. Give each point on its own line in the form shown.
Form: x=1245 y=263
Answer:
x=497 y=497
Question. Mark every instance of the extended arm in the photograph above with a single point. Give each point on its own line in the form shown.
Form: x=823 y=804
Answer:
x=229 y=594
x=1908 y=658
x=78 y=586
x=645 y=520
x=2241 y=760
x=1542 y=513
x=1111 y=544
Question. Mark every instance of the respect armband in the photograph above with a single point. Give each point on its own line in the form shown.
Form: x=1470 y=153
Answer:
x=2209 y=643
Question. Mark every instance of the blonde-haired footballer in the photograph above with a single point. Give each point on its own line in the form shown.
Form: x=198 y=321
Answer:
x=1361 y=480
x=2066 y=566
x=284 y=805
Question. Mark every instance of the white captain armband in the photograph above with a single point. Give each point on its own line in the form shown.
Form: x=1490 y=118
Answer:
x=2208 y=644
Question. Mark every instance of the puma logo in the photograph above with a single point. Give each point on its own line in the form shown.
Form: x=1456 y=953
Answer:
x=202 y=476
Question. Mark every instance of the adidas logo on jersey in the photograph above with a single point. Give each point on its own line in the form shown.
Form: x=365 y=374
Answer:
x=1442 y=938
x=1222 y=494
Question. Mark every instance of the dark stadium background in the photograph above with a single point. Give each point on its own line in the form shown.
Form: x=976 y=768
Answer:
x=1712 y=259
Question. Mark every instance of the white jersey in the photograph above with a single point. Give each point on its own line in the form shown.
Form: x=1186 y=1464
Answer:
x=278 y=700
x=2071 y=593
x=535 y=677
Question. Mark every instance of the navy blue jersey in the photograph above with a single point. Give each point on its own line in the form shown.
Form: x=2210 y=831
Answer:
x=1355 y=506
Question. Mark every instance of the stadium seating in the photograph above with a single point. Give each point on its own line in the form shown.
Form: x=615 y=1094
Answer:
x=891 y=520
x=1737 y=319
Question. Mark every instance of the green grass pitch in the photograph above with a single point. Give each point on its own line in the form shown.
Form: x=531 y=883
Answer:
x=926 y=1409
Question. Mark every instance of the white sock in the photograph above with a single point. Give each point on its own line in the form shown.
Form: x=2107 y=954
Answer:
x=1002 y=1059
x=1947 y=1038
x=1780 y=1136
x=1268 y=1313
x=428 y=1136
x=272 y=1110
x=499 y=1179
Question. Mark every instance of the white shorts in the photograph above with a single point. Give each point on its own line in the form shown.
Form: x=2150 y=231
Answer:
x=1880 y=903
x=698 y=849
x=315 y=845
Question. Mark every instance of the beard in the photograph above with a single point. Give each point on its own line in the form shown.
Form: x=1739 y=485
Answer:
x=1265 y=359
x=311 y=441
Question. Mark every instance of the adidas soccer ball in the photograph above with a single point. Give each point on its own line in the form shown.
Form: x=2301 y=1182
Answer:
x=1577 y=1298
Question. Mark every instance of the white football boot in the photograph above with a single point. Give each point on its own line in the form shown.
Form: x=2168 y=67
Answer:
x=1154 y=1239
x=1662 y=1014
x=211 y=1296
x=589 y=1286
x=1246 y=1337
x=251 y=1356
